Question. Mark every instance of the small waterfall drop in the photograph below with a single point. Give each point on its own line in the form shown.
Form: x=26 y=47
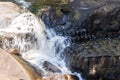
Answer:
x=24 y=4
x=36 y=43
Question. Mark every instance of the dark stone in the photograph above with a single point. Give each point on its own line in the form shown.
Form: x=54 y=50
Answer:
x=50 y=67
x=84 y=22
x=95 y=26
x=89 y=59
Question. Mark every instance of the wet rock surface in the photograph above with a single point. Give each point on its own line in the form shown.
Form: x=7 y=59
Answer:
x=93 y=27
x=7 y=39
x=62 y=77
x=95 y=59
x=84 y=20
x=13 y=66
x=49 y=67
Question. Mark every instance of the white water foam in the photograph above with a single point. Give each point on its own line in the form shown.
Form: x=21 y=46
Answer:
x=24 y=4
x=47 y=46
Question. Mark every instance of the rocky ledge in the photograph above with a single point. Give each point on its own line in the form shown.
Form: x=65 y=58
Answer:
x=96 y=60
x=84 y=20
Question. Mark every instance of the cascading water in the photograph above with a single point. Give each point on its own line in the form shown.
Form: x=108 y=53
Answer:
x=36 y=43
x=24 y=4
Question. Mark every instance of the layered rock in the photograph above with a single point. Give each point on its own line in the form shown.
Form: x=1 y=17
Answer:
x=95 y=27
x=95 y=59
x=84 y=20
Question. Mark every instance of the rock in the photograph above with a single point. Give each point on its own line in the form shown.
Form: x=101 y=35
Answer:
x=95 y=59
x=14 y=51
x=87 y=19
x=104 y=19
x=62 y=77
x=49 y=67
x=8 y=10
x=13 y=67
x=95 y=27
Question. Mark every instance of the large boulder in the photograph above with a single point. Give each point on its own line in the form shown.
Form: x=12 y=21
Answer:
x=13 y=67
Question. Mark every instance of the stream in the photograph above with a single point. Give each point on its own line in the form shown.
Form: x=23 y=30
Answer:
x=37 y=43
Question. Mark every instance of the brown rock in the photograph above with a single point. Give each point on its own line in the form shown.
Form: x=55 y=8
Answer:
x=13 y=67
x=62 y=77
x=13 y=51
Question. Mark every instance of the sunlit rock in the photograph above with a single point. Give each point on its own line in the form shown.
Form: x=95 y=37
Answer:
x=13 y=67
x=13 y=51
x=62 y=77
x=85 y=20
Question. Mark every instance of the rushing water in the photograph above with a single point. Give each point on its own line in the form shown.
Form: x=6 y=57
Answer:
x=23 y=3
x=36 y=43
x=39 y=45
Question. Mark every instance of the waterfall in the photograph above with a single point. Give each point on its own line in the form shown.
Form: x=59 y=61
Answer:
x=24 y=4
x=36 y=43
